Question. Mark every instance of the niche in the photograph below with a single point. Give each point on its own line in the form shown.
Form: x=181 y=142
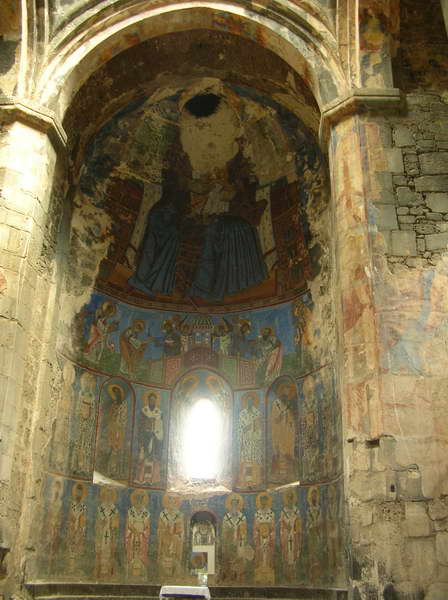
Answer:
x=203 y=543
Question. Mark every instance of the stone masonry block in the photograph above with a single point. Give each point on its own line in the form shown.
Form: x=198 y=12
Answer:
x=403 y=136
x=386 y=217
x=434 y=163
x=387 y=195
x=400 y=180
x=442 y=547
x=407 y=197
x=404 y=243
x=417 y=520
x=395 y=160
x=432 y=183
x=437 y=202
x=436 y=241
x=437 y=591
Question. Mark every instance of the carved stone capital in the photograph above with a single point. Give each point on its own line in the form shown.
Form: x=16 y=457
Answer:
x=13 y=109
x=357 y=101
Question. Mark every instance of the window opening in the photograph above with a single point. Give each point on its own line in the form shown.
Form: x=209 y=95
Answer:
x=202 y=441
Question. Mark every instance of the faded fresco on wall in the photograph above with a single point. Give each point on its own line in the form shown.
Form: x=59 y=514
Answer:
x=101 y=533
x=205 y=211
x=249 y=441
x=150 y=442
x=191 y=190
x=76 y=421
x=252 y=348
x=114 y=433
x=282 y=409
x=319 y=426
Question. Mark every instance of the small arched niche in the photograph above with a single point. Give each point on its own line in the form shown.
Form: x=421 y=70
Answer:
x=203 y=532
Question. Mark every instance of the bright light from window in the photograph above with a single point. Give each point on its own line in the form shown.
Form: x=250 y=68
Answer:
x=202 y=440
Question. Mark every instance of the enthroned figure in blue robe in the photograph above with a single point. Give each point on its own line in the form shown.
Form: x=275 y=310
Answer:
x=230 y=259
x=156 y=269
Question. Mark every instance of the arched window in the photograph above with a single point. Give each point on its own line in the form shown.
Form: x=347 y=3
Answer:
x=200 y=432
x=202 y=440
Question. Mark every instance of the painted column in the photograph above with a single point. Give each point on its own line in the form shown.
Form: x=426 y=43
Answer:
x=28 y=157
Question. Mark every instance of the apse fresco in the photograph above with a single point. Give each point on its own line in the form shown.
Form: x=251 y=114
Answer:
x=150 y=438
x=249 y=441
x=204 y=215
x=252 y=348
x=261 y=538
x=206 y=211
x=143 y=371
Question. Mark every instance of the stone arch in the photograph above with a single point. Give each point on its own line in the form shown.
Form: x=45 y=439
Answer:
x=306 y=44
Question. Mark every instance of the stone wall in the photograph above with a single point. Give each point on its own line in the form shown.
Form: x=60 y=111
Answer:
x=413 y=221
x=396 y=471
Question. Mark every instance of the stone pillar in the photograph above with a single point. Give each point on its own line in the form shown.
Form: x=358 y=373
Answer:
x=394 y=431
x=29 y=146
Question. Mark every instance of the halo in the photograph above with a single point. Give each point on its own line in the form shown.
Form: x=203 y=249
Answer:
x=167 y=498
x=108 y=494
x=287 y=493
x=140 y=323
x=271 y=329
x=245 y=322
x=258 y=499
x=213 y=383
x=193 y=378
x=165 y=323
x=248 y=395
x=136 y=493
x=231 y=497
x=289 y=386
x=309 y=494
x=112 y=388
x=147 y=393
x=107 y=304
x=79 y=485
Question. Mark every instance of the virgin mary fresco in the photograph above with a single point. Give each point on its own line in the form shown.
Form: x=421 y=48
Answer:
x=196 y=254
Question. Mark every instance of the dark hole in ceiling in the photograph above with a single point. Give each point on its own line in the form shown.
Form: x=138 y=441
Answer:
x=203 y=105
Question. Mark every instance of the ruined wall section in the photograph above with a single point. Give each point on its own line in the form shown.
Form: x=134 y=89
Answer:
x=396 y=477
